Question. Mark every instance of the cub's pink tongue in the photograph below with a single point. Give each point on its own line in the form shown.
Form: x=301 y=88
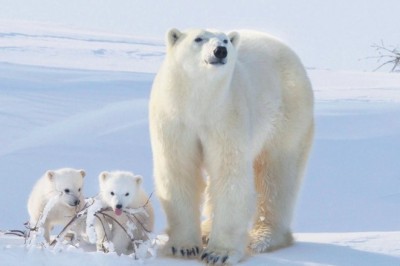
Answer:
x=118 y=212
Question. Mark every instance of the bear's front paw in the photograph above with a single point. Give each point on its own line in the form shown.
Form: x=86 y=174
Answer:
x=221 y=257
x=185 y=251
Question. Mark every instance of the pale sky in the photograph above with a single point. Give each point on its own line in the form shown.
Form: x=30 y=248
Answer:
x=332 y=34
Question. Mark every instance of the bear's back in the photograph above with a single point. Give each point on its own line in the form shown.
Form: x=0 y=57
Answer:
x=258 y=48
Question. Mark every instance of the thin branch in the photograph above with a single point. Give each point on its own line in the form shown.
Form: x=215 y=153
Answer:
x=19 y=233
x=115 y=220
x=141 y=224
x=397 y=60
x=71 y=222
x=391 y=55
x=148 y=200
x=386 y=63
x=105 y=232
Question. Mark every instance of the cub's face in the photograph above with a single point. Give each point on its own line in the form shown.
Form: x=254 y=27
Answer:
x=198 y=50
x=69 y=183
x=118 y=190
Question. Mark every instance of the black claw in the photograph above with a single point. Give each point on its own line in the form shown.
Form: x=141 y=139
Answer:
x=193 y=251
x=188 y=252
x=215 y=259
x=197 y=250
x=173 y=251
x=182 y=252
x=205 y=255
x=210 y=258
x=224 y=259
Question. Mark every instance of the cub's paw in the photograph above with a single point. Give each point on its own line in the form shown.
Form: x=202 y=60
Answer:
x=221 y=257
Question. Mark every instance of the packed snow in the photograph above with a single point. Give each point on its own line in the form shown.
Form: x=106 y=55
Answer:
x=71 y=98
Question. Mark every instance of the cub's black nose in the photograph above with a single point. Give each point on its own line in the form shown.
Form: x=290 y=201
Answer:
x=74 y=203
x=119 y=206
x=220 y=52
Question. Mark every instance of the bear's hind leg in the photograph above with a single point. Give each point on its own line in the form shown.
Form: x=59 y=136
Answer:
x=278 y=175
x=260 y=235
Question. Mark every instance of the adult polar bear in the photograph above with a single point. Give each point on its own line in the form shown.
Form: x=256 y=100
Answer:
x=239 y=108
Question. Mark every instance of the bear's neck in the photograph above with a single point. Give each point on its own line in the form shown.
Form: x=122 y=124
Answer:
x=198 y=97
x=207 y=82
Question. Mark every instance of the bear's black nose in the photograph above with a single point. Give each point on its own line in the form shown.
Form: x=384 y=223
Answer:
x=77 y=202
x=119 y=206
x=220 y=52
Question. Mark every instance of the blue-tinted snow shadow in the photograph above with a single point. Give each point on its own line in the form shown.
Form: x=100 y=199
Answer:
x=307 y=253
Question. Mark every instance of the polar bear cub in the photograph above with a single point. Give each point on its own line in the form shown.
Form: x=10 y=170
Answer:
x=63 y=187
x=238 y=107
x=120 y=190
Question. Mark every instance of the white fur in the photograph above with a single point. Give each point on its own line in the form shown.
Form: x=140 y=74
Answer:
x=67 y=185
x=125 y=189
x=248 y=123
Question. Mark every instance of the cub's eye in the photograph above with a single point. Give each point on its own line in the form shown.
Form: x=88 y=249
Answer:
x=198 y=39
x=112 y=193
x=79 y=189
x=225 y=41
x=66 y=190
x=127 y=194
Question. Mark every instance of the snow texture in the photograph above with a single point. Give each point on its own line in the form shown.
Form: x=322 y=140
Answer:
x=79 y=99
x=94 y=207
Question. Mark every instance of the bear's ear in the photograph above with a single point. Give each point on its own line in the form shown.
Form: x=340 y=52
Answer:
x=83 y=173
x=234 y=38
x=50 y=175
x=103 y=176
x=138 y=179
x=173 y=36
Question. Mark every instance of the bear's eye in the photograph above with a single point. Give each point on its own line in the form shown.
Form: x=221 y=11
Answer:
x=66 y=190
x=112 y=193
x=127 y=194
x=225 y=41
x=198 y=39
x=79 y=189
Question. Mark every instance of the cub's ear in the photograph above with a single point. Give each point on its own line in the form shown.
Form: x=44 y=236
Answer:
x=103 y=176
x=234 y=37
x=138 y=179
x=83 y=173
x=173 y=36
x=50 y=175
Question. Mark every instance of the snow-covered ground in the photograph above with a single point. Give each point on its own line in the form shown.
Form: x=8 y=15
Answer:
x=79 y=99
x=55 y=46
